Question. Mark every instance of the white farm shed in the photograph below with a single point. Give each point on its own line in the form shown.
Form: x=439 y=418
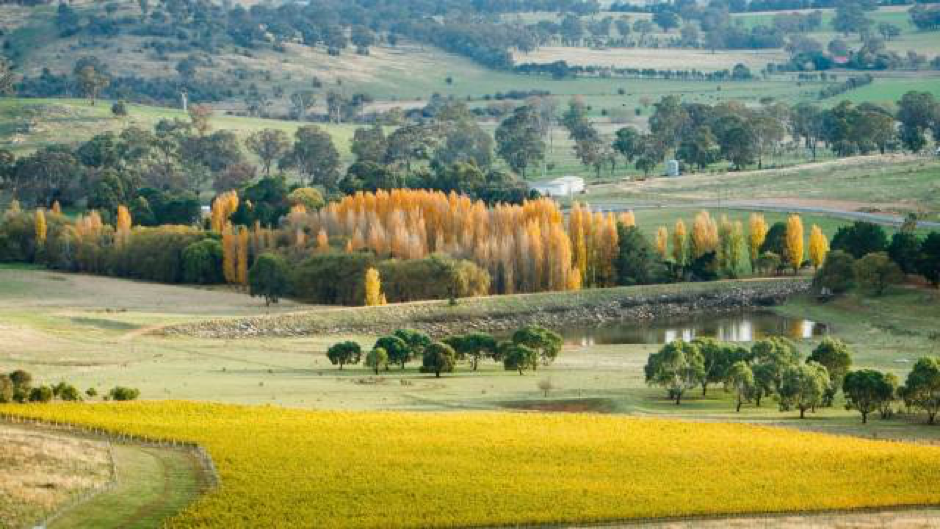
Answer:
x=560 y=187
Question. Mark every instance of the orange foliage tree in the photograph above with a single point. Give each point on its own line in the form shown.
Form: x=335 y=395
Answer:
x=525 y=248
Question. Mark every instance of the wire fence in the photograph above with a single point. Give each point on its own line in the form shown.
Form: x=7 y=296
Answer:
x=200 y=454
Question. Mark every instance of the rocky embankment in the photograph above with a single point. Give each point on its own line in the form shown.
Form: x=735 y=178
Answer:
x=500 y=313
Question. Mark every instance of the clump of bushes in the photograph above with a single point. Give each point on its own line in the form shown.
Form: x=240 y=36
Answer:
x=120 y=393
x=17 y=386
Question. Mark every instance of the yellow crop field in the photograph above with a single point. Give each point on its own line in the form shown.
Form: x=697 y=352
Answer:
x=282 y=467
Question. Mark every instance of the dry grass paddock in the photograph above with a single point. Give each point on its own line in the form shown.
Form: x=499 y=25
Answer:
x=42 y=470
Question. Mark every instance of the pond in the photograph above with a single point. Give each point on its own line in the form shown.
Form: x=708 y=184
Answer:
x=730 y=327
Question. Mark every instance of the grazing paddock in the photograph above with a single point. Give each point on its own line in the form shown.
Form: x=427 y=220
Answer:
x=43 y=470
x=281 y=467
x=661 y=58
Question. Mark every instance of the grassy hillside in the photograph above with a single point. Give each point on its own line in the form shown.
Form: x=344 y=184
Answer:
x=27 y=124
x=896 y=183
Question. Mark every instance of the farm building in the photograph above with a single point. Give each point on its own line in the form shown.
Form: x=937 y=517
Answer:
x=564 y=186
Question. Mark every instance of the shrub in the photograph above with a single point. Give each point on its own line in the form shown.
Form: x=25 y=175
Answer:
x=121 y=393
x=119 y=108
x=434 y=277
x=202 y=262
x=41 y=394
x=876 y=271
x=155 y=254
x=6 y=389
x=332 y=278
x=64 y=391
x=837 y=274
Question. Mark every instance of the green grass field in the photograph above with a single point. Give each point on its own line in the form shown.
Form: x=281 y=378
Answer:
x=894 y=184
x=54 y=328
x=153 y=484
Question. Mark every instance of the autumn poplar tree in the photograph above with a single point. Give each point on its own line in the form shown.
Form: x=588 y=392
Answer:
x=323 y=241
x=223 y=207
x=704 y=235
x=373 y=288
x=794 y=242
x=41 y=227
x=680 y=244
x=123 y=225
x=818 y=246
x=229 y=254
x=242 y=269
x=662 y=241
x=757 y=233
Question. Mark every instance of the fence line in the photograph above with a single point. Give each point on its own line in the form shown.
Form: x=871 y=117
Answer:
x=202 y=456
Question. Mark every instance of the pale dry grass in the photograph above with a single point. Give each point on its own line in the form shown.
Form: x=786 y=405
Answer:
x=897 y=519
x=40 y=471
x=661 y=58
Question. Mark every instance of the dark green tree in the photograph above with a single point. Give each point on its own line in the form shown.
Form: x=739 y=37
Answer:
x=519 y=140
x=397 y=350
x=545 y=342
x=637 y=262
x=865 y=390
x=678 y=367
x=269 y=277
x=518 y=357
x=344 y=353
x=835 y=356
x=438 y=358
x=922 y=387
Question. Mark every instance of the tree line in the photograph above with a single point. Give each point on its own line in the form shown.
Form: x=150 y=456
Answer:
x=526 y=349
x=773 y=368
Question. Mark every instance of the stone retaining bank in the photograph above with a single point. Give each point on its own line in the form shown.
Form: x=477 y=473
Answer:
x=501 y=313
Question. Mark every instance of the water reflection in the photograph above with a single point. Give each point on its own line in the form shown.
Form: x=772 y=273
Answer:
x=740 y=327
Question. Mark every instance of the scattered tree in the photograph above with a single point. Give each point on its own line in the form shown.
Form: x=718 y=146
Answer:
x=344 y=353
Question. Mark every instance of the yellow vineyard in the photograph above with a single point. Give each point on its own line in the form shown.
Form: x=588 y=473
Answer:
x=281 y=467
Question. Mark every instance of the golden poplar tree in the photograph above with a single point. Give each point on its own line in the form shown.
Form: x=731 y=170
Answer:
x=662 y=241
x=373 y=288
x=242 y=277
x=229 y=254
x=41 y=227
x=757 y=234
x=627 y=219
x=680 y=244
x=323 y=241
x=123 y=225
x=818 y=246
x=704 y=235
x=795 y=241
x=222 y=208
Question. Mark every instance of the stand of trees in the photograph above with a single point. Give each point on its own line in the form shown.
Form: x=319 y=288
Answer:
x=527 y=349
x=772 y=368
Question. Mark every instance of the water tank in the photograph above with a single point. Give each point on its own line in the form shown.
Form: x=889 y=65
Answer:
x=672 y=168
